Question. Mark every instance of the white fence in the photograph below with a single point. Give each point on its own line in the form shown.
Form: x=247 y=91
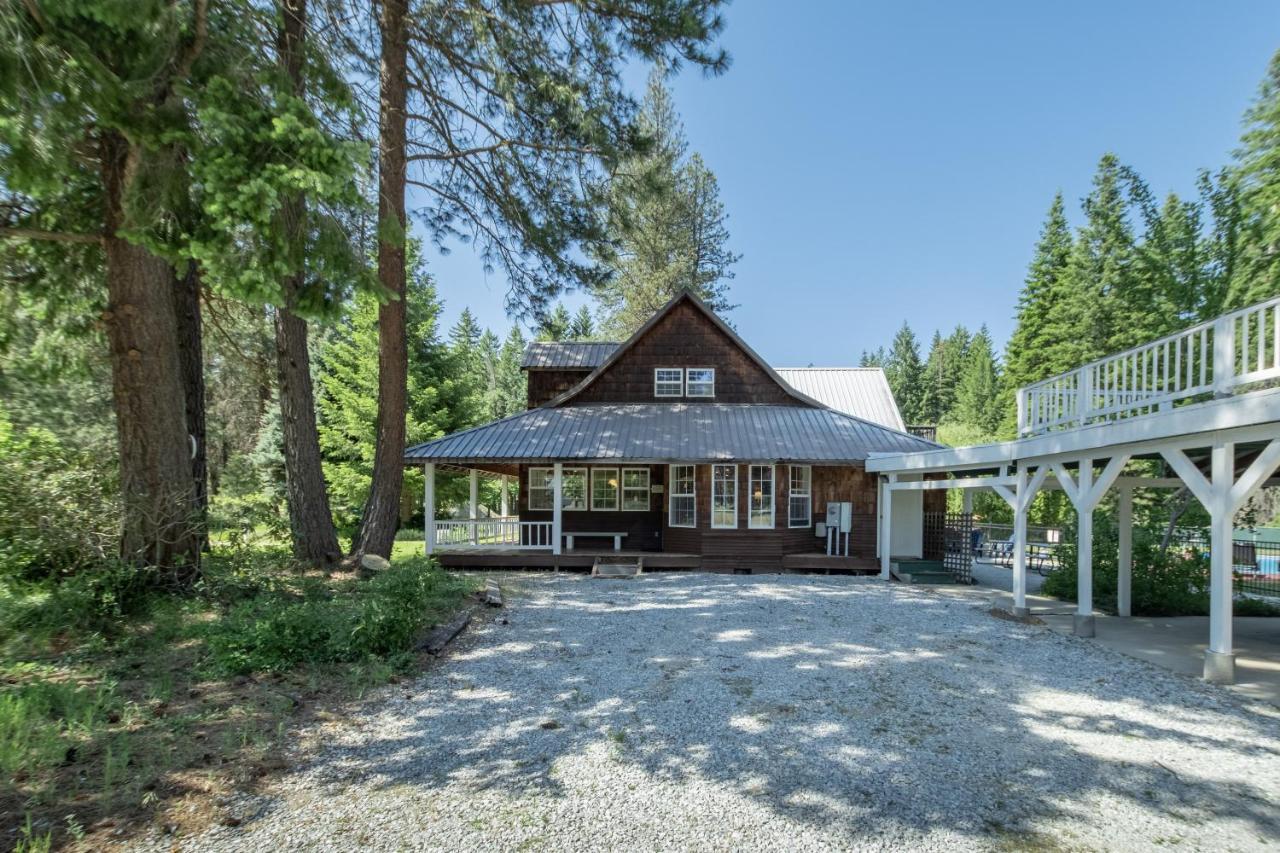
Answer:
x=503 y=532
x=1214 y=358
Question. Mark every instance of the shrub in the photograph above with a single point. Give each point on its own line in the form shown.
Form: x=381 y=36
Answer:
x=314 y=623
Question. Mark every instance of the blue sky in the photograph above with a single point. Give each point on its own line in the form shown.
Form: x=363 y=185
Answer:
x=894 y=160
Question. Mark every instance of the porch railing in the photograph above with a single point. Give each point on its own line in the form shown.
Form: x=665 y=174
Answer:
x=499 y=532
x=1212 y=359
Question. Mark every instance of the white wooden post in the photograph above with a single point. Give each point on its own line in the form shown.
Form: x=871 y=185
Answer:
x=1224 y=355
x=557 y=511
x=1124 y=574
x=429 y=507
x=474 y=512
x=1219 y=660
x=506 y=496
x=1023 y=419
x=966 y=501
x=1084 y=626
x=1084 y=395
x=886 y=523
x=1021 y=506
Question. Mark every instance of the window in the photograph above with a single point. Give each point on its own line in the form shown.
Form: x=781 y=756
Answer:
x=724 y=496
x=801 y=501
x=635 y=489
x=700 y=382
x=668 y=382
x=761 y=483
x=604 y=489
x=683 y=497
x=573 y=491
x=540 y=491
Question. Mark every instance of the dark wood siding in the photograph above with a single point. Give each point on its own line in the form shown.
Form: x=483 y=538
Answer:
x=643 y=529
x=685 y=338
x=544 y=385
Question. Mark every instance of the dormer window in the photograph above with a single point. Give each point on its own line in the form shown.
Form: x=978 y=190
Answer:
x=668 y=382
x=700 y=382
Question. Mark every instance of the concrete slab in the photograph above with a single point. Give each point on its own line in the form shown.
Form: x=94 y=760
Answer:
x=1177 y=643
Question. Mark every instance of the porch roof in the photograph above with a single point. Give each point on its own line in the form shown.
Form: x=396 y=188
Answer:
x=670 y=432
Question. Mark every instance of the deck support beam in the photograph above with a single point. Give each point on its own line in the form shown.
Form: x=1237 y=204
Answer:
x=429 y=507
x=1124 y=564
x=1024 y=491
x=1085 y=492
x=557 y=507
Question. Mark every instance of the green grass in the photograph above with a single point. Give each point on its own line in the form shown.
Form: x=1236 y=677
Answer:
x=117 y=709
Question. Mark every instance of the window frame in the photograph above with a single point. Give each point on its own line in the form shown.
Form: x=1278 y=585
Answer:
x=586 y=489
x=648 y=483
x=691 y=495
x=807 y=495
x=657 y=382
x=688 y=383
x=617 y=490
x=714 y=525
x=751 y=497
x=549 y=489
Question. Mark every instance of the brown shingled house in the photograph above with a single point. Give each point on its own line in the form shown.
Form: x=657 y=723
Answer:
x=682 y=445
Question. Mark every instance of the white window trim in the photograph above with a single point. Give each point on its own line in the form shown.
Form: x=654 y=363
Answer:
x=586 y=489
x=808 y=495
x=689 y=382
x=617 y=492
x=657 y=370
x=550 y=489
x=773 y=495
x=733 y=526
x=672 y=495
x=622 y=485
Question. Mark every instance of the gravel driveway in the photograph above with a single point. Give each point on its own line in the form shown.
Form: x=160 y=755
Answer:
x=699 y=711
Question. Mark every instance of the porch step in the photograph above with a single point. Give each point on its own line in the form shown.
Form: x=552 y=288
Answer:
x=921 y=571
x=614 y=568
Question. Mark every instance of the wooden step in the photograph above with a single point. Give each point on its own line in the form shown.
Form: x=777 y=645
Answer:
x=606 y=567
x=921 y=571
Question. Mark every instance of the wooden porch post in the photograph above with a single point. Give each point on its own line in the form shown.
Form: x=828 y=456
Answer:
x=886 y=523
x=429 y=507
x=557 y=511
x=506 y=497
x=1084 y=625
x=1124 y=573
x=475 y=507
x=1021 y=506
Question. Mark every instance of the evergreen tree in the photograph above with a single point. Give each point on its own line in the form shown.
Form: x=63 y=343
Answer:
x=513 y=395
x=1258 y=174
x=1033 y=349
x=667 y=225
x=942 y=374
x=977 y=397
x=583 y=327
x=873 y=358
x=557 y=325
x=905 y=373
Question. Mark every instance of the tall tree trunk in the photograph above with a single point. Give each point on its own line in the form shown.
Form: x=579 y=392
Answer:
x=381 y=512
x=156 y=489
x=314 y=538
x=191 y=363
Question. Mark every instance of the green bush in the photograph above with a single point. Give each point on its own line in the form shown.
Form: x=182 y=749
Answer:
x=97 y=600
x=313 y=623
x=1164 y=583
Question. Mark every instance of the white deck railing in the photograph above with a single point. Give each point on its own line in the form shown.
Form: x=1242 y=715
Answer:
x=1212 y=359
x=503 y=532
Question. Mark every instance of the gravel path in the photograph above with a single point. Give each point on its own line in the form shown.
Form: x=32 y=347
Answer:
x=695 y=711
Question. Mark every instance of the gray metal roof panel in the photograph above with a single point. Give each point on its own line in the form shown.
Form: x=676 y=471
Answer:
x=567 y=355
x=659 y=432
x=859 y=391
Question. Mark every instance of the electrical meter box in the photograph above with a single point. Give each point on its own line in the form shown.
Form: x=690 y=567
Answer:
x=840 y=516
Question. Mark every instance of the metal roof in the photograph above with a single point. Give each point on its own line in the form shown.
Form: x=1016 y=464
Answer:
x=670 y=432
x=567 y=354
x=859 y=391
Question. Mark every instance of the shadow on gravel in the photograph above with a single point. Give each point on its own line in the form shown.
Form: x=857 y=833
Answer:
x=843 y=704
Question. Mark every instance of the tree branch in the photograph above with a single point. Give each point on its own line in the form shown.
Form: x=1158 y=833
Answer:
x=55 y=236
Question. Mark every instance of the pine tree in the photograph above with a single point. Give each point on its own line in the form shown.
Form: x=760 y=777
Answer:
x=942 y=372
x=583 y=327
x=977 y=397
x=873 y=358
x=1258 y=174
x=905 y=373
x=557 y=325
x=1031 y=354
x=513 y=394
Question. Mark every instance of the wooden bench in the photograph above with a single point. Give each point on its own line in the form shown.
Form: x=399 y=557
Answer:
x=603 y=534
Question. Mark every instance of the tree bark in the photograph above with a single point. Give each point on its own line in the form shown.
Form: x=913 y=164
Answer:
x=191 y=363
x=156 y=489
x=381 y=512
x=315 y=540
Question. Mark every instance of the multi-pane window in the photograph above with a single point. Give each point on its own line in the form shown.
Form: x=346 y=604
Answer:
x=683 y=497
x=668 y=382
x=700 y=382
x=635 y=488
x=573 y=491
x=801 y=500
x=724 y=495
x=761 y=484
x=541 y=494
x=604 y=489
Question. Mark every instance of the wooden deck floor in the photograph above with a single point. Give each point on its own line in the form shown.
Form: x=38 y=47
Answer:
x=585 y=558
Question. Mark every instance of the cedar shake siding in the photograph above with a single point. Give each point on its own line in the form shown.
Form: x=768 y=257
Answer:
x=545 y=385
